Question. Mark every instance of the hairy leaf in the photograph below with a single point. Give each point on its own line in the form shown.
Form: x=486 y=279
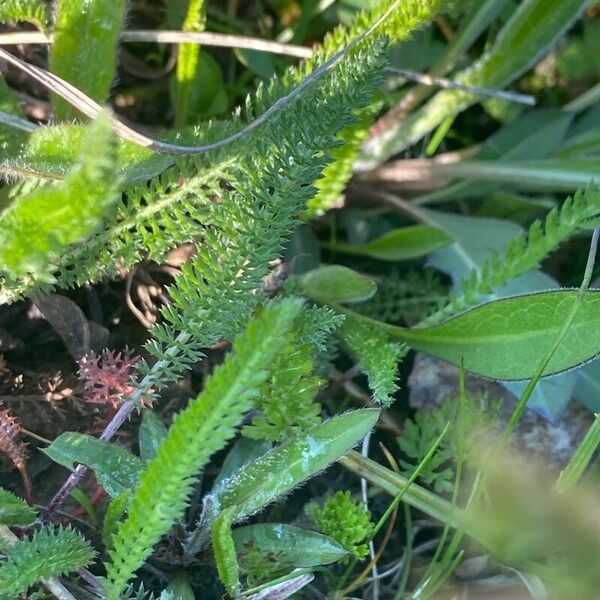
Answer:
x=116 y=469
x=199 y=431
x=48 y=553
x=224 y=551
x=286 y=466
x=14 y=511
x=84 y=32
x=39 y=226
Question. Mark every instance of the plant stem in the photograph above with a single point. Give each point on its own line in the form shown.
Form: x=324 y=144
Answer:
x=522 y=403
x=111 y=429
x=572 y=473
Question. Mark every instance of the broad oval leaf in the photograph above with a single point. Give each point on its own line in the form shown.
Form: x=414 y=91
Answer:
x=405 y=243
x=508 y=338
x=336 y=284
x=116 y=469
x=291 y=545
x=286 y=466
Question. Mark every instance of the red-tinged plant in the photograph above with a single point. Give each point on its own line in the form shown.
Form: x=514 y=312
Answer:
x=107 y=377
x=14 y=448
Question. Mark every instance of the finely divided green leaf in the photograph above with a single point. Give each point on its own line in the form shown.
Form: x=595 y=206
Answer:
x=48 y=553
x=14 y=511
x=200 y=430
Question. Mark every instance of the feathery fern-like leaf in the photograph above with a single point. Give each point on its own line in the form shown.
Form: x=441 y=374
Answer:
x=272 y=181
x=198 y=432
x=405 y=298
x=405 y=18
x=523 y=253
x=287 y=399
x=31 y=11
x=377 y=355
x=48 y=553
x=37 y=227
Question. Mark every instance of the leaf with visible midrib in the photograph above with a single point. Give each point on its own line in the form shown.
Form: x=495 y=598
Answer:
x=508 y=338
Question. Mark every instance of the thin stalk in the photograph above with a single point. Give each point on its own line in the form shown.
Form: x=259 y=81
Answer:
x=587 y=277
x=206 y=38
x=394 y=506
x=393 y=483
x=579 y=462
x=111 y=429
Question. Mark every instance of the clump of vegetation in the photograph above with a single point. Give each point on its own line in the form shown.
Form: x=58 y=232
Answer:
x=222 y=228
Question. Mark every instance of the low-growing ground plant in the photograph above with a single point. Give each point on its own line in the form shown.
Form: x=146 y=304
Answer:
x=221 y=222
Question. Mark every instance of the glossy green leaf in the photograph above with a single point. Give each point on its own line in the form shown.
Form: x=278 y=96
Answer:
x=405 y=243
x=244 y=451
x=286 y=466
x=116 y=469
x=14 y=510
x=508 y=338
x=84 y=51
x=152 y=432
x=290 y=544
x=336 y=284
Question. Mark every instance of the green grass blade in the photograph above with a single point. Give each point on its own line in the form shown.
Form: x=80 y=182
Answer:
x=532 y=29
